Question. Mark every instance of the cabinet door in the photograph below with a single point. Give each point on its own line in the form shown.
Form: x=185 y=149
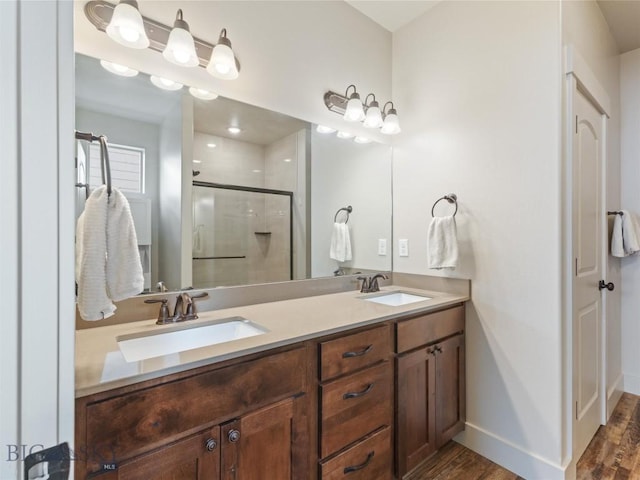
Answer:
x=259 y=445
x=194 y=458
x=416 y=428
x=450 y=389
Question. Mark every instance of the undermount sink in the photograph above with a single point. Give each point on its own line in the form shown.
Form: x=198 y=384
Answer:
x=396 y=299
x=180 y=338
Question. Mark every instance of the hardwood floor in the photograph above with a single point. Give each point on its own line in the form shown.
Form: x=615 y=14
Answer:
x=613 y=454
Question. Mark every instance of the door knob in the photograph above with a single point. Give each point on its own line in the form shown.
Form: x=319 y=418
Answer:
x=609 y=286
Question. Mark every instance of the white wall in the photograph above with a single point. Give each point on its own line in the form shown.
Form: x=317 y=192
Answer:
x=36 y=283
x=630 y=101
x=585 y=29
x=477 y=85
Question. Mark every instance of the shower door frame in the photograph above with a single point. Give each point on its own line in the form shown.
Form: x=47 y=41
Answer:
x=270 y=191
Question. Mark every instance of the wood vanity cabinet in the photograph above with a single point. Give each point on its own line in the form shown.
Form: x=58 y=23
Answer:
x=355 y=414
x=430 y=385
x=246 y=421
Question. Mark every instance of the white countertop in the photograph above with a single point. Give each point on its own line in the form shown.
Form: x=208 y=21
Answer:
x=100 y=365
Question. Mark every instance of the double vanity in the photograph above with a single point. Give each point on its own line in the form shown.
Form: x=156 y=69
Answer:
x=342 y=385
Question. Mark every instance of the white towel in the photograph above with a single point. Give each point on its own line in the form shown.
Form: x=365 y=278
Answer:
x=625 y=235
x=442 y=243
x=124 y=269
x=108 y=264
x=340 y=243
x=91 y=251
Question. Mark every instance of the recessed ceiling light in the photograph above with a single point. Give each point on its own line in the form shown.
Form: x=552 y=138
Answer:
x=202 y=94
x=342 y=134
x=118 y=69
x=287 y=160
x=324 y=129
x=234 y=130
x=165 y=83
x=211 y=145
x=256 y=171
x=197 y=161
x=362 y=140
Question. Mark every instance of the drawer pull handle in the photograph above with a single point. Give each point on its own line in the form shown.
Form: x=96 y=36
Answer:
x=349 y=395
x=357 y=354
x=211 y=444
x=355 y=468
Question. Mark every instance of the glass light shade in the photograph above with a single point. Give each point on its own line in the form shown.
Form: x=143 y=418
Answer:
x=391 y=124
x=126 y=26
x=373 y=119
x=222 y=63
x=324 y=129
x=342 y=134
x=354 y=111
x=362 y=140
x=202 y=94
x=118 y=69
x=180 y=49
x=165 y=83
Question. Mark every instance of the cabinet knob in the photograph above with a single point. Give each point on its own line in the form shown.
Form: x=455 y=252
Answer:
x=234 y=435
x=211 y=444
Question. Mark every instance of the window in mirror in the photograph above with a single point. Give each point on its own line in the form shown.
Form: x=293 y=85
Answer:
x=127 y=167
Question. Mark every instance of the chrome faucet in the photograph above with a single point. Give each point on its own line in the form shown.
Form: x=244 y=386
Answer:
x=370 y=284
x=184 y=309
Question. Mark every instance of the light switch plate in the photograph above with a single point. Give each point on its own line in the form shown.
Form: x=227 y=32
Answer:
x=403 y=247
x=382 y=246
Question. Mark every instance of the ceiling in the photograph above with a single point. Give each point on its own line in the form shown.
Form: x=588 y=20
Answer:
x=623 y=16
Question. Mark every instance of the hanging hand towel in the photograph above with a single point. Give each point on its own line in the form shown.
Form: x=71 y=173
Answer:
x=91 y=251
x=617 y=245
x=625 y=235
x=340 y=243
x=442 y=243
x=124 y=269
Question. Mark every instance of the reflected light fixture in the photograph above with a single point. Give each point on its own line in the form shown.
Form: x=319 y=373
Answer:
x=373 y=117
x=180 y=49
x=202 y=94
x=165 y=83
x=362 y=140
x=126 y=26
x=234 y=130
x=222 y=63
x=351 y=108
x=118 y=69
x=324 y=129
x=354 y=112
x=391 y=125
x=342 y=134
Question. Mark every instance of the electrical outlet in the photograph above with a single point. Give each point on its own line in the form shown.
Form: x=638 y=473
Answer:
x=403 y=247
x=382 y=246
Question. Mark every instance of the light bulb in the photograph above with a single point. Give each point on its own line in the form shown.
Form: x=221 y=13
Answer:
x=126 y=26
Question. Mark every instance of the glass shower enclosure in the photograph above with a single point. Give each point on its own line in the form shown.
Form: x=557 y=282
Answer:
x=241 y=235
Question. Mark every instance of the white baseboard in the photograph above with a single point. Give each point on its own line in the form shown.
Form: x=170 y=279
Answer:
x=510 y=456
x=632 y=384
x=614 y=394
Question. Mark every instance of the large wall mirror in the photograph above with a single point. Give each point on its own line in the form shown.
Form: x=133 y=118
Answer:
x=218 y=206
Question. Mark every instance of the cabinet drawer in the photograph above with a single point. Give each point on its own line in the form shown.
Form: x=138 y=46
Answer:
x=140 y=421
x=352 y=352
x=419 y=331
x=354 y=406
x=367 y=460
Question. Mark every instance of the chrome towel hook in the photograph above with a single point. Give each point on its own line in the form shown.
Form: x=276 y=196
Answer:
x=451 y=198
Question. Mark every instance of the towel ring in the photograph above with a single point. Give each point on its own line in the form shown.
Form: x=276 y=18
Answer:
x=451 y=198
x=347 y=209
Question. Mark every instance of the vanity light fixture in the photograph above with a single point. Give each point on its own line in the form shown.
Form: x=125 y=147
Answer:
x=342 y=134
x=180 y=49
x=126 y=26
x=373 y=117
x=222 y=63
x=234 y=130
x=324 y=129
x=165 y=83
x=118 y=69
x=391 y=125
x=362 y=140
x=202 y=94
x=349 y=106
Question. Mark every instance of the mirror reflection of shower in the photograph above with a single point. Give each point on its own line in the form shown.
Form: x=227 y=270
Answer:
x=241 y=235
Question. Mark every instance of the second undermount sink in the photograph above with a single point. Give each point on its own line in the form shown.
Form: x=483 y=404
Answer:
x=396 y=299
x=180 y=338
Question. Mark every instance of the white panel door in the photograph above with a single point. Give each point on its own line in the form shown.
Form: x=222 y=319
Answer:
x=588 y=224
